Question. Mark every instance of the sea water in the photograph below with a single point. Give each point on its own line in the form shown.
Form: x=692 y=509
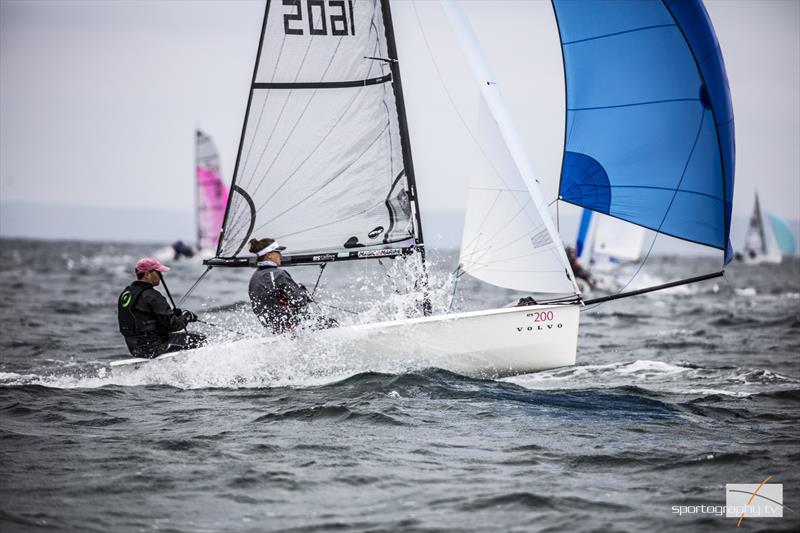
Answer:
x=674 y=395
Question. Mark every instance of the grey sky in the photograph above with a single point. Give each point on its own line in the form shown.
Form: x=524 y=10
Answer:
x=99 y=100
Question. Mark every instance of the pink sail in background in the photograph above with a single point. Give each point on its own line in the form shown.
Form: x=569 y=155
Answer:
x=212 y=193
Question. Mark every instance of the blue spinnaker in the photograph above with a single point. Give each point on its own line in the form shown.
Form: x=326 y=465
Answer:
x=783 y=234
x=649 y=132
x=583 y=230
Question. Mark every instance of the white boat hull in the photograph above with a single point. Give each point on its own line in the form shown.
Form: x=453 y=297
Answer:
x=491 y=343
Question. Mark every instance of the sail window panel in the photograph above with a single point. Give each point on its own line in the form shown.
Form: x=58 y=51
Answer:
x=324 y=166
x=592 y=19
x=322 y=41
x=631 y=69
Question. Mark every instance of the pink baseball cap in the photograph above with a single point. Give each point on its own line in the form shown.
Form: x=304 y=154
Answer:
x=148 y=264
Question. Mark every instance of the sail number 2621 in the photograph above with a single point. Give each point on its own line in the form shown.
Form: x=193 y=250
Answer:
x=319 y=16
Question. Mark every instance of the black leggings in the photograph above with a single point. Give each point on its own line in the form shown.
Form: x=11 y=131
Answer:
x=183 y=340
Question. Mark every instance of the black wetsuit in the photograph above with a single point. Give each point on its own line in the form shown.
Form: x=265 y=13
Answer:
x=580 y=272
x=148 y=323
x=277 y=300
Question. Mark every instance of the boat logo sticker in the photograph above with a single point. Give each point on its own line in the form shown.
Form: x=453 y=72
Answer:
x=125 y=299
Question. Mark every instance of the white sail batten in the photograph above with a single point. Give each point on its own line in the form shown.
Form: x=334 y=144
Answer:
x=321 y=166
x=509 y=238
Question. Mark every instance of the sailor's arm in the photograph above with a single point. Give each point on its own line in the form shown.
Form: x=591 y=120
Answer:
x=165 y=317
x=297 y=294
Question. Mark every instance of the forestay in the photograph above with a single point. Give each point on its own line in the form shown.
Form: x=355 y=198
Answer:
x=509 y=239
x=320 y=164
x=649 y=131
x=212 y=192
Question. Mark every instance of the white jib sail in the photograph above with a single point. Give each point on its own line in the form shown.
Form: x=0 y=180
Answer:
x=617 y=239
x=509 y=238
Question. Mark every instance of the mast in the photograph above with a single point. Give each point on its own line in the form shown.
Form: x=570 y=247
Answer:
x=405 y=142
x=760 y=220
x=197 y=190
x=244 y=130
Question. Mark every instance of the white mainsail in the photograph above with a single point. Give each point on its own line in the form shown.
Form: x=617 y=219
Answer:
x=509 y=238
x=320 y=163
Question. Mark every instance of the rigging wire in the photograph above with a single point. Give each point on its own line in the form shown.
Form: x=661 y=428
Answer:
x=458 y=272
x=321 y=269
x=335 y=307
x=192 y=288
x=222 y=327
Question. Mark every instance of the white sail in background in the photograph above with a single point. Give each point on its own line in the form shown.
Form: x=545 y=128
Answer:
x=211 y=192
x=760 y=243
x=617 y=239
x=509 y=239
x=321 y=165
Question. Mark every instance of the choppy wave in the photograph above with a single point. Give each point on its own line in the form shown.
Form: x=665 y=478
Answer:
x=674 y=395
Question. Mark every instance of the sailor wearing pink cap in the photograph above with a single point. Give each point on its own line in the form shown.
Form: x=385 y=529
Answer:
x=148 y=323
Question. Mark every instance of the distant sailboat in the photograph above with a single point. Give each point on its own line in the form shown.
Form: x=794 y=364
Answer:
x=767 y=239
x=324 y=165
x=211 y=199
x=211 y=195
x=603 y=246
x=605 y=241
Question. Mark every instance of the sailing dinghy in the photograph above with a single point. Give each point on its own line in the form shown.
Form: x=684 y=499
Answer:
x=211 y=199
x=211 y=195
x=325 y=166
x=604 y=242
x=767 y=239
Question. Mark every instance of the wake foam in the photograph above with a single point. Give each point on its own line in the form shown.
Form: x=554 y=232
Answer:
x=659 y=376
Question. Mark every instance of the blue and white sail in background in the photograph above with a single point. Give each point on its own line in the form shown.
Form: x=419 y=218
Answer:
x=649 y=131
x=768 y=239
x=787 y=242
x=606 y=241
